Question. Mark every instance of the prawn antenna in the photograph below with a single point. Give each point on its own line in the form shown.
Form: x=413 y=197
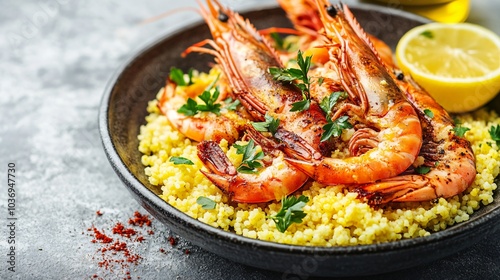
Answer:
x=168 y=13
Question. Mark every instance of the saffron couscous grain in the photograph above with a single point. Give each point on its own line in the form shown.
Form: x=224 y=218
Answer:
x=335 y=217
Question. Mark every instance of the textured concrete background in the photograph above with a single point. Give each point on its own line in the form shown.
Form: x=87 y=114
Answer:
x=55 y=59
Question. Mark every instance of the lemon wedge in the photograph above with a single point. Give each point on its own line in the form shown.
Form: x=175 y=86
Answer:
x=458 y=64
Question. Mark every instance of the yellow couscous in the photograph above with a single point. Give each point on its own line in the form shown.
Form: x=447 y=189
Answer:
x=335 y=217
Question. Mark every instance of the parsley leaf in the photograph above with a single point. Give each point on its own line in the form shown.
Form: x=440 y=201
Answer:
x=290 y=212
x=428 y=34
x=429 y=113
x=180 y=160
x=320 y=81
x=334 y=128
x=285 y=74
x=460 y=130
x=495 y=133
x=279 y=43
x=209 y=100
x=292 y=74
x=192 y=107
x=270 y=124
x=177 y=76
x=328 y=102
x=301 y=105
x=206 y=203
x=422 y=169
x=231 y=104
x=251 y=157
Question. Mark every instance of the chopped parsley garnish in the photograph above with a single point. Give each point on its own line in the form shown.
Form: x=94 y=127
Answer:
x=328 y=102
x=334 y=128
x=231 y=104
x=427 y=34
x=293 y=74
x=177 y=76
x=301 y=105
x=251 y=157
x=290 y=212
x=209 y=100
x=270 y=124
x=191 y=107
x=279 y=43
x=320 y=81
x=495 y=133
x=180 y=160
x=429 y=113
x=422 y=169
x=206 y=203
x=460 y=130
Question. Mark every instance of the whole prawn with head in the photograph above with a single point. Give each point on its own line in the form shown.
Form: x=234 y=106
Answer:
x=245 y=57
x=199 y=126
x=447 y=167
x=447 y=164
x=388 y=134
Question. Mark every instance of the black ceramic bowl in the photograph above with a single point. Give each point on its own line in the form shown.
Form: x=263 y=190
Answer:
x=123 y=110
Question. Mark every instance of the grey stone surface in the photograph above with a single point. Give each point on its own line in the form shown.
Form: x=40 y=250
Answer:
x=55 y=59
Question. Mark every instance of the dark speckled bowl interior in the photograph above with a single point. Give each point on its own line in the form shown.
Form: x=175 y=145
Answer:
x=123 y=110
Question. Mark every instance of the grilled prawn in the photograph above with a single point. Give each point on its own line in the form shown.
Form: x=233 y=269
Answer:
x=205 y=125
x=245 y=57
x=273 y=181
x=448 y=157
x=389 y=135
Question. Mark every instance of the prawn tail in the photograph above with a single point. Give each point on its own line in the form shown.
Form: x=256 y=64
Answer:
x=268 y=145
x=399 y=189
x=296 y=147
x=220 y=169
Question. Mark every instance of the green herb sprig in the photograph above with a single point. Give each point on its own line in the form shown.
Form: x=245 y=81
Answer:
x=428 y=34
x=251 y=158
x=333 y=128
x=429 y=113
x=495 y=133
x=290 y=212
x=459 y=130
x=294 y=74
x=329 y=102
x=422 y=169
x=279 y=43
x=191 y=107
x=180 y=160
x=206 y=203
x=177 y=76
x=270 y=124
x=231 y=104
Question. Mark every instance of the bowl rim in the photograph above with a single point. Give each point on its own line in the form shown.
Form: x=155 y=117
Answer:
x=135 y=185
